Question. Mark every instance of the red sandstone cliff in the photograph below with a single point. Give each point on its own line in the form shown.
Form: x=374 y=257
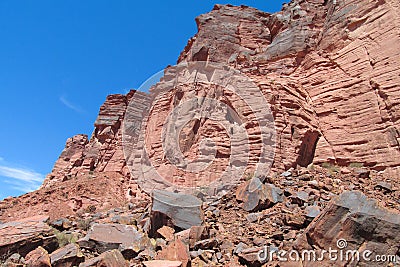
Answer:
x=330 y=72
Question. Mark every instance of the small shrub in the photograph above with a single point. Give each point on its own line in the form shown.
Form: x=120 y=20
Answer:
x=356 y=165
x=248 y=176
x=91 y=209
x=332 y=169
x=65 y=238
x=84 y=224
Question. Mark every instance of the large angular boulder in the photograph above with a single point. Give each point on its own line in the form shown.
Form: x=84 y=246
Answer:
x=112 y=258
x=352 y=222
x=25 y=235
x=256 y=196
x=125 y=238
x=68 y=256
x=38 y=258
x=176 y=251
x=180 y=210
x=61 y=224
x=250 y=257
x=167 y=233
x=196 y=234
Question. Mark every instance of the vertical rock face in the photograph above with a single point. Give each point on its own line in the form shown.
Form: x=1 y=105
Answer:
x=329 y=70
x=326 y=71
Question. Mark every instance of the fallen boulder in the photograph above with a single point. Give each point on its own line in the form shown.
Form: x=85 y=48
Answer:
x=296 y=220
x=112 y=258
x=68 y=256
x=167 y=233
x=25 y=235
x=125 y=238
x=257 y=196
x=197 y=233
x=38 y=258
x=62 y=224
x=312 y=211
x=180 y=210
x=352 y=222
x=250 y=257
x=175 y=251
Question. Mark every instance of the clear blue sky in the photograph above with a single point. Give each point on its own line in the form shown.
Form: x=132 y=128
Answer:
x=60 y=59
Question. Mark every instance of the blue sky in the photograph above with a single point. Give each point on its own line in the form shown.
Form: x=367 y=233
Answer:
x=60 y=59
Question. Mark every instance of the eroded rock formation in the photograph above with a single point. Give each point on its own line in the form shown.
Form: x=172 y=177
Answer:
x=330 y=73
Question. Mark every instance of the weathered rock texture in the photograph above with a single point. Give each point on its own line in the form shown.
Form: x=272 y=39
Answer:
x=361 y=225
x=184 y=211
x=330 y=72
x=25 y=235
x=89 y=174
x=104 y=237
x=110 y=258
x=68 y=256
x=329 y=69
x=38 y=258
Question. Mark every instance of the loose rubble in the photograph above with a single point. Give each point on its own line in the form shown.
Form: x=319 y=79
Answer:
x=307 y=216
